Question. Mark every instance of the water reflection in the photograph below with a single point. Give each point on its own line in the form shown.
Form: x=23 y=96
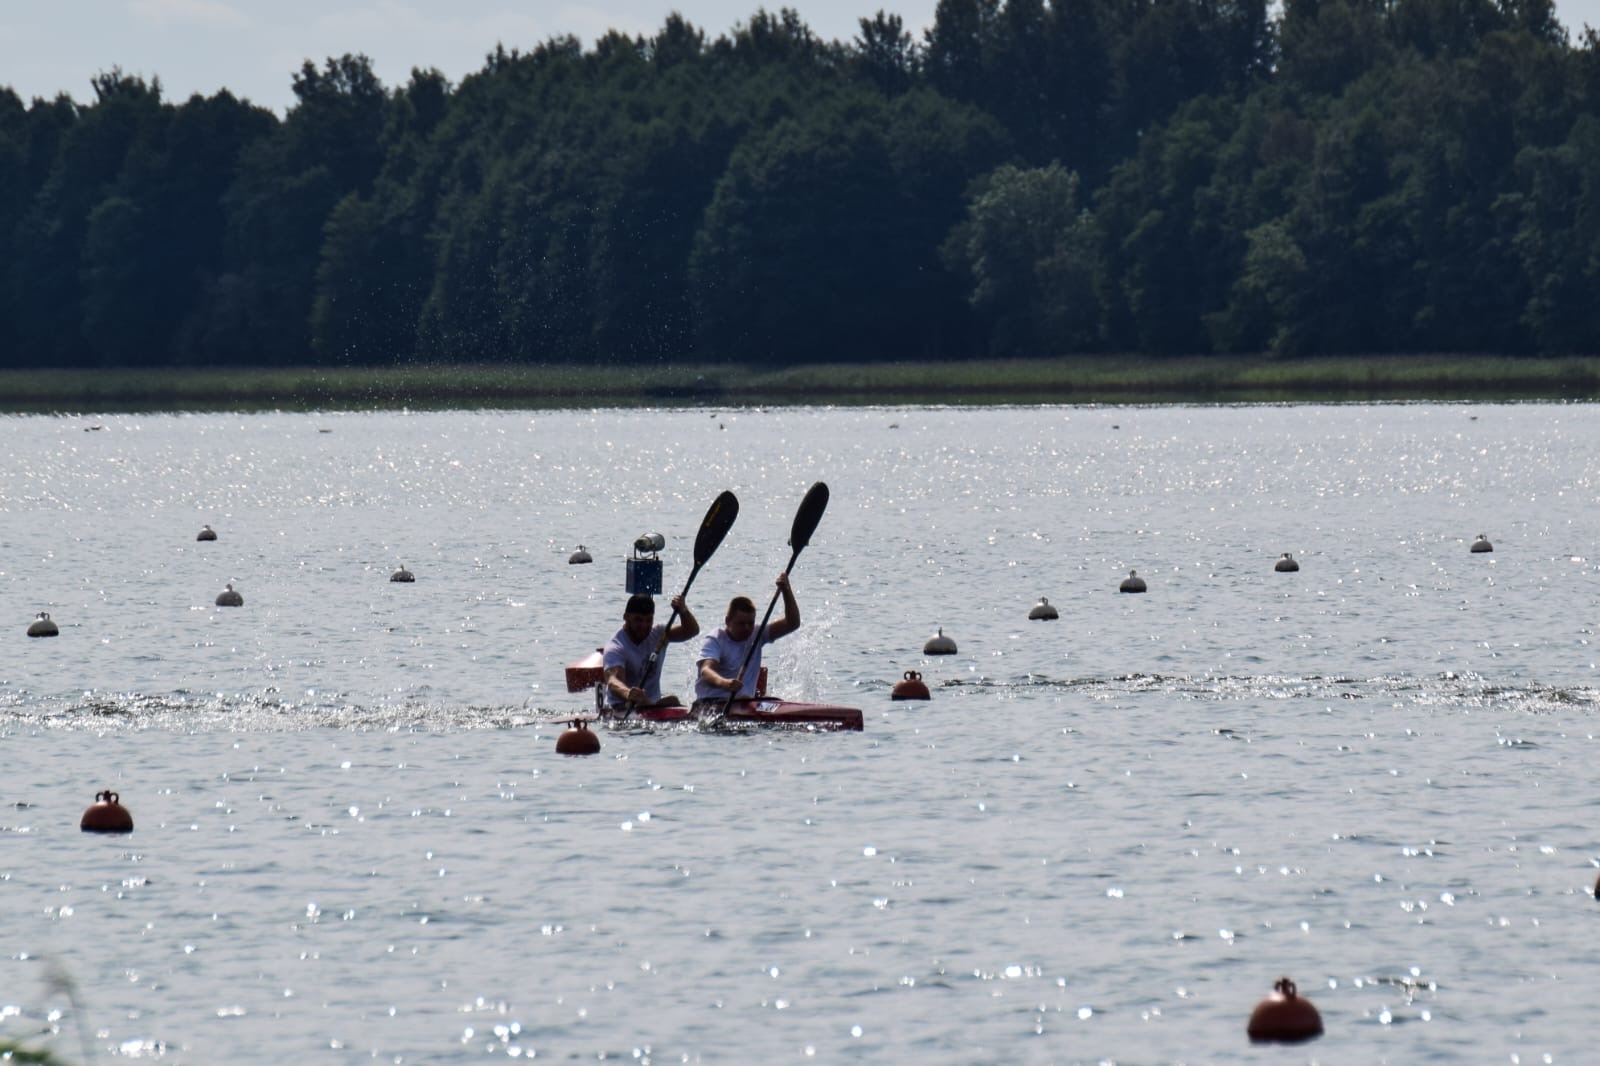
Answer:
x=1102 y=838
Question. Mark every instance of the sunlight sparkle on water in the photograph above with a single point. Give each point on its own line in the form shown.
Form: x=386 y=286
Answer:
x=1175 y=755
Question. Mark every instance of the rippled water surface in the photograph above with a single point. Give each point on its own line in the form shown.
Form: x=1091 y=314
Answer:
x=1101 y=840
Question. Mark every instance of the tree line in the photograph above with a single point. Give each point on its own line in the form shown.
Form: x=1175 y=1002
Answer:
x=1026 y=178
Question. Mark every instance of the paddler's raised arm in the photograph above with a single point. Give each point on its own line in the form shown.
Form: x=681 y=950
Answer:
x=791 y=610
x=687 y=625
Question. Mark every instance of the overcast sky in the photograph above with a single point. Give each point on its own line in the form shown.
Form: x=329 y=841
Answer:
x=253 y=47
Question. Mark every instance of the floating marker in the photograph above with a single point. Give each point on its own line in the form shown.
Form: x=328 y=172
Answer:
x=1132 y=583
x=910 y=687
x=1482 y=544
x=229 y=598
x=42 y=626
x=579 y=740
x=1283 y=1017
x=1286 y=564
x=580 y=556
x=1042 y=611
x=939 y=644
x=402 y=575
x=106 y=815
x=206 y=533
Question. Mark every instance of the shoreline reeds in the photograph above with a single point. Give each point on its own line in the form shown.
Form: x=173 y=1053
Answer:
x=1085 y=380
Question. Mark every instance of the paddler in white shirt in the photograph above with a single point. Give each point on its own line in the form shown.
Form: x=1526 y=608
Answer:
x=730 y=658
x=627 y=655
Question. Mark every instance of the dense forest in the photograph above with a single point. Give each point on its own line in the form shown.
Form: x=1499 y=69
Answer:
x=1027 y=178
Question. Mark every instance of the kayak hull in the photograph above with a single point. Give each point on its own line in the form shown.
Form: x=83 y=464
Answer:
x=753 y=712
x=761 y=711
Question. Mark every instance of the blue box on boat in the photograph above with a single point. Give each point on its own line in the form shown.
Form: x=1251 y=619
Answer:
x=644 y=577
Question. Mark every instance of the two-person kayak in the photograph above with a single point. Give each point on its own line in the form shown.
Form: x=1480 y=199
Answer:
x=588 y=673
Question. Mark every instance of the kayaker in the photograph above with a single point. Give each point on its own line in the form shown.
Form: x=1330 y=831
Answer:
x=627 y=655
x=730 y=660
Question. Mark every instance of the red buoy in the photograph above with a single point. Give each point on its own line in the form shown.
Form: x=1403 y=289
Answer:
x=1283 y=1017
x=910 y=687
x=579 y=740
x=106 y=815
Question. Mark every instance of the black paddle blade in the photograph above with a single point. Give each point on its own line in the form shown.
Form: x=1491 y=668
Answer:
x=809 y=515
x=715 y=526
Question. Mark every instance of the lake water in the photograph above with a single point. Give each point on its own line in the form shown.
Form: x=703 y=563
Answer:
x=1101 y=840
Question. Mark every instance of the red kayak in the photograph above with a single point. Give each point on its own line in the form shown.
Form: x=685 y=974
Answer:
x=762 y=710
x=759 y=711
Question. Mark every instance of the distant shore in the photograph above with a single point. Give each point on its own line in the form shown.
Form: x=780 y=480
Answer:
x=1010 y=381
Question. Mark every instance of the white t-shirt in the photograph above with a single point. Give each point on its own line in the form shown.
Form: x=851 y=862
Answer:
x=726 y=655
x=623 y=652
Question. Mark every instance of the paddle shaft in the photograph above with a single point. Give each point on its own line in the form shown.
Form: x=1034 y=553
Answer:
x=661 y=644
x=713 y=528
x=805 y=524
x=760 y=632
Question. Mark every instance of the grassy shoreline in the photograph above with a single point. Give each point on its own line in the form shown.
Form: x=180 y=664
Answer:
x=1014 y=381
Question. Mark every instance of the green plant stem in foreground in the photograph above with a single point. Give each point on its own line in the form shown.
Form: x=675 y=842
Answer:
x=1010 y=381
x=12 y=1052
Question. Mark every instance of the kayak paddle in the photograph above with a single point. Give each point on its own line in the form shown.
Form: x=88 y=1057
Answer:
x=805 y=524
x=715 y=526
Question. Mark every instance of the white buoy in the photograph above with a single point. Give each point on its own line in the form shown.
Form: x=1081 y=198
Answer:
x=1482 y=544
x=206 y=533
x=1286 y=564
x=43 y=627
x=229 y=598
x=580 y=556
x=939 y=644
x=402 y=575
x=1132 y=583
x=1042 y=611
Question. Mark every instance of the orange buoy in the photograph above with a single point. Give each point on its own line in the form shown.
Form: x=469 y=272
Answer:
x=579 y=740
x=1284 y=1017
x=106 y=815
x=910 y=687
